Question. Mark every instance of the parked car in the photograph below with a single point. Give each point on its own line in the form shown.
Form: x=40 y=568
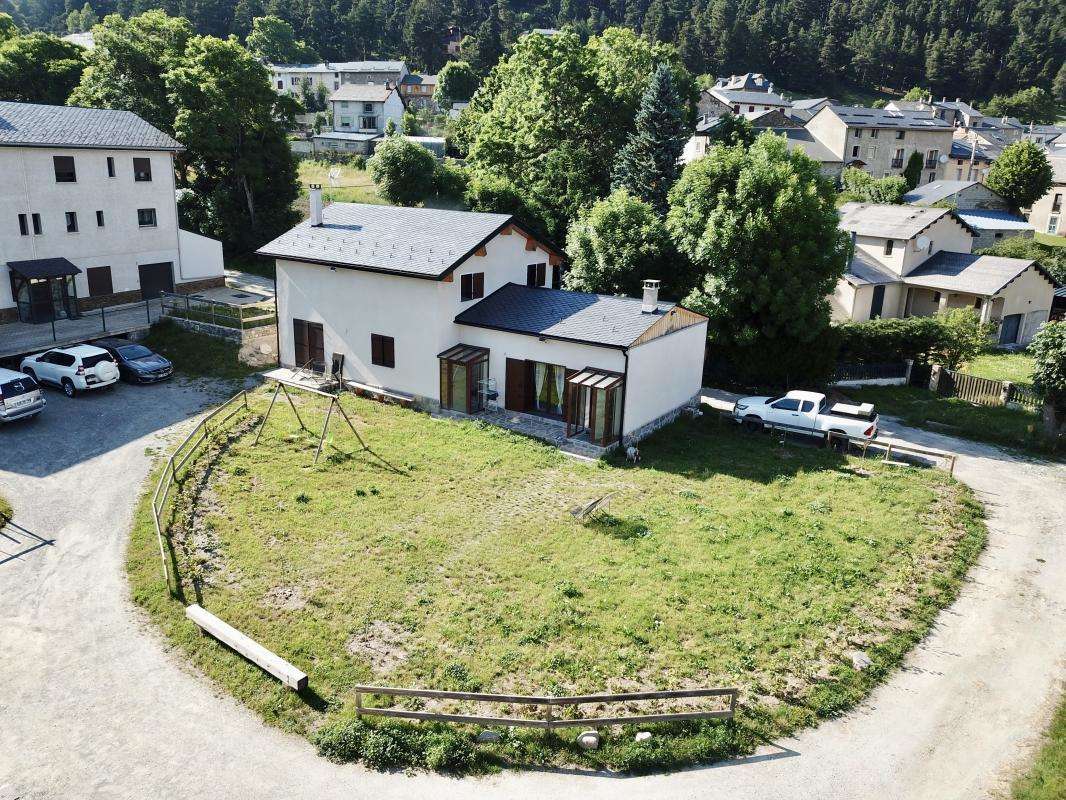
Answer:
x=73 y=369
x=20 y=396
x=807 y=412
x=136 y=363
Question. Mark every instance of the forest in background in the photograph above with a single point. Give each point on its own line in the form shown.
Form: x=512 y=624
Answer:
x=971 y=49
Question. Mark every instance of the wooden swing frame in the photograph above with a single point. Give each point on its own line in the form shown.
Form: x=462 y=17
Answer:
x=334 y=402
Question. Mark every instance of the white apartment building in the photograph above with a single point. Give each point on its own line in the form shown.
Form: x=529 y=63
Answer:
x=88 y=216
x=361 y=113
x=287 y=78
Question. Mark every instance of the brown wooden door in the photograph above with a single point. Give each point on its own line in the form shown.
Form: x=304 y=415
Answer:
x=516 y=399
x=308 y=344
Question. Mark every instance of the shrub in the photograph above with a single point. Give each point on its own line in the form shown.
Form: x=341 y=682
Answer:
x=392 y=747
x=498 y=195
x=450 y=179
x=962 y=337
x=860 y=186
x=358 y=161
x=403 y=171
x=341 y=741
x=449 y=751
x=887 y=340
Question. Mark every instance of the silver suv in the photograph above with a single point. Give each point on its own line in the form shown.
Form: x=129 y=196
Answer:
x=20 y=396
x=73 y=369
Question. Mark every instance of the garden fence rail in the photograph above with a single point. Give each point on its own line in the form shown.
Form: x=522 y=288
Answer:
x=984 y=391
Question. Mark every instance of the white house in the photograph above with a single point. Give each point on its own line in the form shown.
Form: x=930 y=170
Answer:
x=987 y=214
x=361 y=113
x=463 y=310
x=88 y=216
x=917 y=261
x=288 y=78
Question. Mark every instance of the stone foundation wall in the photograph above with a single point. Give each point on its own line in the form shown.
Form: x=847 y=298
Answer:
x=103 y=300
x=258 y=346
x=644 y=431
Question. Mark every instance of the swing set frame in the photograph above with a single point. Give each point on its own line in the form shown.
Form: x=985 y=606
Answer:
x=334 y=402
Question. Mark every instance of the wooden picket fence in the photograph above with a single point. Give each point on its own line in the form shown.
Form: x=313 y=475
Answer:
x=987 y=391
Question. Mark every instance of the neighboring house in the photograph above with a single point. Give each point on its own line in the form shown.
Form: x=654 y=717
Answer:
x=1048 y=214
x=708 y=106
x=803 y=110
x=287 y=78
x=361 y=113
x=774 y=118
x=968 y=162
x=702 y=140
x=881 y=141
x=988 y=214
x=750 y=103
x=1047 y=135
x=957 y=113
x=89 y=214
x=748 y=82
x=417 y=91
x=463 y=310
x=453 y=41
x=917 y=261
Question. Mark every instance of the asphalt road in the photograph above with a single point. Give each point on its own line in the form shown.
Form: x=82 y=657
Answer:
x=93 y=704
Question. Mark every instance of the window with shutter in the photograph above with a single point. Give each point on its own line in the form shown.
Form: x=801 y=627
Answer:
x=99 y=279
x=472 y=286
x=382 y=350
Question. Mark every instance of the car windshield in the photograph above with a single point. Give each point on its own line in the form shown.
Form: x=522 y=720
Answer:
x=134 y=351
x=92 y=361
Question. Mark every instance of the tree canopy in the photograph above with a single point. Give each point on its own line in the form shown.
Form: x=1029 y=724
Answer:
x=618 y=242
x=1029 y=105
x=760 y=227
x=403 y=171
x=38 y=67
x=273 y=39
x=456 y=83
x=552 y=115
x=1022 y=174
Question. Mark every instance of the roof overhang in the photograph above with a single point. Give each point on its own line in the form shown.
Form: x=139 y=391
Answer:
x=40 y=268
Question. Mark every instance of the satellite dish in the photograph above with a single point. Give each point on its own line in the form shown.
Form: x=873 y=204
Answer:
x=922 y=242
x=943 y=158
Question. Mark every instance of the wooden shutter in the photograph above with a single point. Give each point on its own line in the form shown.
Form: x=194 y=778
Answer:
x=515 y=399
x=566 y=393
x=316 y=344
x=479 y=285
x=299 y=341
x=541 y=274
x=99 y=279
x=388 y=351
x=375 y=349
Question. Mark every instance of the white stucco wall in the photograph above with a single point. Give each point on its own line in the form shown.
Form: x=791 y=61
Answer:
x=663 y=374
x=201 y=257
x=1031 y=295
x=28 y=177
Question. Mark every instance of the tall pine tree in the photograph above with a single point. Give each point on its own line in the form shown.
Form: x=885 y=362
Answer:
x=646 y=166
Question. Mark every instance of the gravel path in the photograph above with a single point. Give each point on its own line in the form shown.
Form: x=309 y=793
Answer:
x=93 y=705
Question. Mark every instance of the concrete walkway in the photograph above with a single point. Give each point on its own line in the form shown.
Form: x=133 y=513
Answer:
x=18 y=338
x=94 y=705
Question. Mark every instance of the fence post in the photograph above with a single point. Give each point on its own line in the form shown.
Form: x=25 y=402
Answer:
x=148 y=310
x=54 y=337
x=358 y=705
x=934 y=378
x=910 y=366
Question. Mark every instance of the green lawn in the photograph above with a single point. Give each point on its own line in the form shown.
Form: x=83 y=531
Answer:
x=1046 y=780
x=448 y=560
x=919 y=407
x=1002 y=366
x=197 y=355
x=1047 y=238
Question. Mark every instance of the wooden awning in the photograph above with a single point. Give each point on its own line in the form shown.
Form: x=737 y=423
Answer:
x=595 y=379
x=464 y=354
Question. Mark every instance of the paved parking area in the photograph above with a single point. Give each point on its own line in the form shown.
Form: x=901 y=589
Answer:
x=93 y=704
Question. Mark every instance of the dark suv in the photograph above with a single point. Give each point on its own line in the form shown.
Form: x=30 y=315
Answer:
x=136 y=363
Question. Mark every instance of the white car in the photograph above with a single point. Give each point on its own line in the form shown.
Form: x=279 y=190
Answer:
x=807 y=412
x=73 y=369
x=20 y=396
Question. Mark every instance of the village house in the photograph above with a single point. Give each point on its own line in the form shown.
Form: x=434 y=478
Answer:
x=881 y=141
x=288 y=78
x=361 y=113
x=90 y=214
x=988 y=215
x=464 y=312
x=917 y=261
x=417 y=91
x=796 y=135
x=745 y=95
x=1047 y=215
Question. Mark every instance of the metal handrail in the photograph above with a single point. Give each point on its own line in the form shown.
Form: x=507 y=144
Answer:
x=170 y=472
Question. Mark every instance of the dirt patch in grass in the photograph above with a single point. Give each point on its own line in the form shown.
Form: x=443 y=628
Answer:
x=723 y=560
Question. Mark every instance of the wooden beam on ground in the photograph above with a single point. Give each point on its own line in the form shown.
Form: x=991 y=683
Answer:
x=249 y=648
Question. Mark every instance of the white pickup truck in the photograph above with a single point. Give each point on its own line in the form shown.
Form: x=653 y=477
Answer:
x=806 y=412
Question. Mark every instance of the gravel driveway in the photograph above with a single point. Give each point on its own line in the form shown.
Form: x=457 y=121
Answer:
x=93 y=705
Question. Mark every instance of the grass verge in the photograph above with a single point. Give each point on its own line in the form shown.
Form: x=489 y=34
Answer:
x=197 y=355
x=1046 y=779
x=447 y=559
x=6 y=512
x=1011 y=427
x=1013 y=367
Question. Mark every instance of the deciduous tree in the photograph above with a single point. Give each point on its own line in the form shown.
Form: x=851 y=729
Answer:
x=1048 y=349
x=760 y=227
x=274 y=40
x=1029 y=105
x=1022 y=173
x=456 y=83
x=403 y=171
x=39 y=68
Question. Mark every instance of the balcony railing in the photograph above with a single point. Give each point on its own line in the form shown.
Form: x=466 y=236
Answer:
x=930 y=163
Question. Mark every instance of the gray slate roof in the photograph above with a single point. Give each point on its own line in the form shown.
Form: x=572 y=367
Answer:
x=864 y=270
x=813 y=102
x=935 y=191
x=362 y=93
x=960 y=149
x=753 y=98
x=559 y=314
x=32 y=125
x=861 y=117
x=967 y=272
x=888 y=221
x=989 y=219
x=421 y=242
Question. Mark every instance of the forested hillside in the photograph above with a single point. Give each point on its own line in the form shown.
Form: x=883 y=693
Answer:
x=967 y=48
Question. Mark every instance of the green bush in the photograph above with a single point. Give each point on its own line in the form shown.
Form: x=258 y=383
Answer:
x=392 y=747
x=449 y=751
x=450 y=179
x=341 y=741
x=888 y=340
